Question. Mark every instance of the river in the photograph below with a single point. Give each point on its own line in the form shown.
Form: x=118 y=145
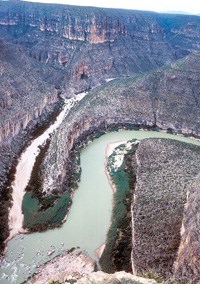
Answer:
x=89 y=217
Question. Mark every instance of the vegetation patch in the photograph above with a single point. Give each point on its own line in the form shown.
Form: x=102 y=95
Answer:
x=46 y=210
x=38 y=220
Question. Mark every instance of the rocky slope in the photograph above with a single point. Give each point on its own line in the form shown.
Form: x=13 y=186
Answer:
x=165 y=170
x=71 y=265
x=118 y=277
x=24 y=95
x=86 y=45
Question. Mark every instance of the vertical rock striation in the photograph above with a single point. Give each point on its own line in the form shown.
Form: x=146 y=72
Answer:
x=187 y=265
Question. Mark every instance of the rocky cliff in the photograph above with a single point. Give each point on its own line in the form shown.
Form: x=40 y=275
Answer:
x=187 y=266
x=118 y=277
x=86 y=45
x=23 y=94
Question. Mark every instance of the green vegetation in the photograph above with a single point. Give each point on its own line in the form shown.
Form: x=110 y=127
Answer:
x=150 y=274
x=117 y=253
x=36 y=219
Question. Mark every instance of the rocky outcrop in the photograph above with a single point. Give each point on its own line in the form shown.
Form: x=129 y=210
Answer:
x=165 y=170
x=187 y=266
x=71 y=265
x=25 y=101
x=118 y=277
x=86 y=45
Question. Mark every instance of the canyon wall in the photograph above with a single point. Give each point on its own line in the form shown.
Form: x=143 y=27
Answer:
x=187 y=266
x=86 y=45
x=24 y=95
x=26 y=102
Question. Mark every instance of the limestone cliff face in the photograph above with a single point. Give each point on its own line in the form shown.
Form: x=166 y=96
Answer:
x=91 y=115
x=87 y=45
x=9 y=128
x=187 y=266
x=24 y=96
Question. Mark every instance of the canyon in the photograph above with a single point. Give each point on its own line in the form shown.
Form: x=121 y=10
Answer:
x=52 y=52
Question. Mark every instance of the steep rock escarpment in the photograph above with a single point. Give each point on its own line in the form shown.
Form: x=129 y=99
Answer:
x=187 y=266
x=165 y=171
x=86 y=45
x=23 y=94
x=167 y=98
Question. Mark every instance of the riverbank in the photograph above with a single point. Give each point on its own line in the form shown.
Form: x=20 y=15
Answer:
x=121 y=174
x=10 y=154
x=25 y=165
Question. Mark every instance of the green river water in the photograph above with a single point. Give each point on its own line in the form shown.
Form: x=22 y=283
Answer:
x=89 y=217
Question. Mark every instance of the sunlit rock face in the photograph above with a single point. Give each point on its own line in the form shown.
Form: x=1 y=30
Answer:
x=118 y=277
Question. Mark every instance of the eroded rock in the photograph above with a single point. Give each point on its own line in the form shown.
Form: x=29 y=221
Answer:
x=118 y=277
x=69 y=265
x=187 y=265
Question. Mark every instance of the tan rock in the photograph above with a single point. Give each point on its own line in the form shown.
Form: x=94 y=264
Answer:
x=118 y=277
